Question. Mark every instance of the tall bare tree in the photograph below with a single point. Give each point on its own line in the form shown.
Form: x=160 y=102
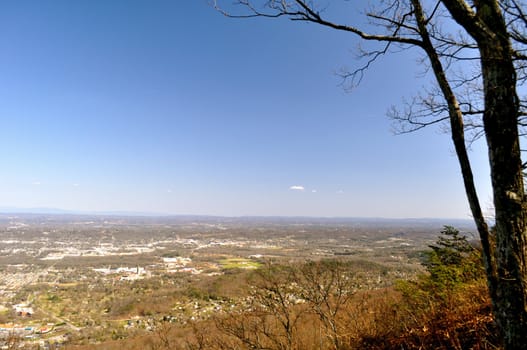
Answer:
x=327 y=286
x=478 y=66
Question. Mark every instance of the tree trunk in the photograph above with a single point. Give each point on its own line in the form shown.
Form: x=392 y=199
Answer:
x=501 y=128
x=500 y=120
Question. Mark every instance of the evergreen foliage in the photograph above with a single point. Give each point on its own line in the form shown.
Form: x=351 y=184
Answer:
x=452 y=260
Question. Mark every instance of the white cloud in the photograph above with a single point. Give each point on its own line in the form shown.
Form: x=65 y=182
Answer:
x=340 y=192
x=36 y=183
x=313 y=191
x=76 y=185
x=297 y=188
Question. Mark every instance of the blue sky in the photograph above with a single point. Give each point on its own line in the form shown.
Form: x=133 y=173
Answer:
x=168 y=107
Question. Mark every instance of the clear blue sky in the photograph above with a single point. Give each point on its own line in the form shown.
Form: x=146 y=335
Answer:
x=166 y=106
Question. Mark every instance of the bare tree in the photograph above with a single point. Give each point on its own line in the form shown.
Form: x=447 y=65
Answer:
x=490 y=37
x=161 y=338
x=13 y=341
x=271 y=319
x=274 y=296
x=328 y=287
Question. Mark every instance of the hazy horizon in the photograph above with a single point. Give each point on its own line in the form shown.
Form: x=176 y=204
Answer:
x=58 y=211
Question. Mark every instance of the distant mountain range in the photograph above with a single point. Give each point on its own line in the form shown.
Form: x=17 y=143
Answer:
x=247 y=219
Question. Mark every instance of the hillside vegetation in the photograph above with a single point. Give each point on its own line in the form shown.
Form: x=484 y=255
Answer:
x=338 y=304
